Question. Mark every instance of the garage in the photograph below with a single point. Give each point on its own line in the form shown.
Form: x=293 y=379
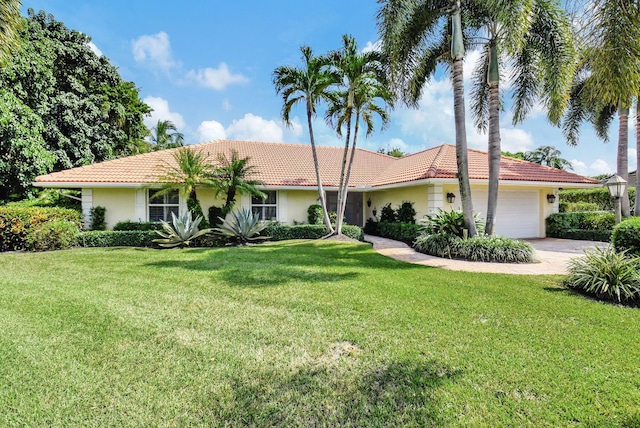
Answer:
x=518 y=214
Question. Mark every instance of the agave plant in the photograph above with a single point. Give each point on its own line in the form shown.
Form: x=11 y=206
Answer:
x=181 y=232
x=242 y=226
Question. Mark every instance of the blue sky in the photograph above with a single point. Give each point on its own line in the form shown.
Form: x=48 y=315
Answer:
x=207 y=66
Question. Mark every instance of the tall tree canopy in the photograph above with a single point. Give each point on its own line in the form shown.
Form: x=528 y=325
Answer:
x=87 y=113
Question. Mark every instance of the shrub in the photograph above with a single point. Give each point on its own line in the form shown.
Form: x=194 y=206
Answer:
x=626 y=236
x=181 y=232
x=406 y=213
x=589 y=225
x=480 y=248
x=52 y=235
x=97 y=218
x=314 y=214
x=448 y=223
x=119 y=238
x=16 y=222
x=215 y=214
x=371 y=227
x=137 y=225
x=276 y=232
x=406 y=232
x=599 y=196
x=241 y=226
x=578 y=206
x=606 y=274
x=388 y=214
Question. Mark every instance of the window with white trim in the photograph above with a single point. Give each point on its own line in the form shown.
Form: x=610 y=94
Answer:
x=161 y=206
x=266 y=209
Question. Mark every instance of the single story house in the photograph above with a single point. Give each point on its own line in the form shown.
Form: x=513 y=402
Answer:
x=427 y=179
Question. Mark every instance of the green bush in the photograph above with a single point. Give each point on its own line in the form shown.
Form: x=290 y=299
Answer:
x=52 y=235
x=607 y=275
x=406 y=213
x=241 y=226
x=448 y=223
x=97 y=218
x=119 y=238
x=588 y=225
x=599 y=196
x=405 y=232
x=16 y=222
x=215 y=213
x=388 y=214
x=371 y=227
x=277 y=232
x=566 y=207
x=480 y=248
x=137 y=225
x=314 y=214
x=626 y=236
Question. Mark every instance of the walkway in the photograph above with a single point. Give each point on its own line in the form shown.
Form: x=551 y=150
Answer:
x=552 y=256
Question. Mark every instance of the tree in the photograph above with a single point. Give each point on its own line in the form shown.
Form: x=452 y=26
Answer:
x=417 y=36
x=232 y=176
x=310 y=84
x=162 y=138
x=10 y=23
x=548 y=156
x=534 y=37
x=393 y=151
x=189 y=170
x=88 y=112
x=365 y=83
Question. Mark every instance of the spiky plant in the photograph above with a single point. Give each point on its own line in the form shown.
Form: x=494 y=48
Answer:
x=242 y=226
x=182 y=231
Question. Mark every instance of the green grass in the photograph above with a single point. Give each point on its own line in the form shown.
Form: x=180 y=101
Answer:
x=303 y=334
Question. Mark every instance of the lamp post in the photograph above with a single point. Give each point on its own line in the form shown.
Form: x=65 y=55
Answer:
x=616 y=186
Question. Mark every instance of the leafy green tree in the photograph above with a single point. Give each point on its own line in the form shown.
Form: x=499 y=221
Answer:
x=393 y=151
x=165 y=135
x=232 y=176
x=417 y=36
x=310 y=84
x=516 y=155
x=10 y=23
x=87 y=111
x=548 y=156
x=365 y=84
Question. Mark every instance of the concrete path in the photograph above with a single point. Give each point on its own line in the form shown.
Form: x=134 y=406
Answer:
x=552 y=256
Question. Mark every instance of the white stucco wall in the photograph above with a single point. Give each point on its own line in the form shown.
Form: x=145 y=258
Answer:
x=120 y=204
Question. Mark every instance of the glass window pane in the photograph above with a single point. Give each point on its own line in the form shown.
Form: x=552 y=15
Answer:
x=256 y=200
x=269 y=213
x=173 y=197
x=153 y=198
x=156 y=213
x=271 y=198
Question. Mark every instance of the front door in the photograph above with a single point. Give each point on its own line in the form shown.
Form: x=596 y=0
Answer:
x=353 y=211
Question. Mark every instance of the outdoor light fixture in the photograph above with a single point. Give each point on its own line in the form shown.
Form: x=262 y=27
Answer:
x=551 y=198
x=369 y=202
x=375 y=211
x=451 y=198
x=616 y=186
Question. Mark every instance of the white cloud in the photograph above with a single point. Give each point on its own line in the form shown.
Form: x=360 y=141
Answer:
x=154 y=49
x=633 y=160
x=370 y=47
x=211 y=130
x=94 y=49
x=296 y=127
x=579 y=167
x=255 y=128
x=161 y=111
x=226 y=104
x=515 y=140
x=600 y=167
x=216 y=78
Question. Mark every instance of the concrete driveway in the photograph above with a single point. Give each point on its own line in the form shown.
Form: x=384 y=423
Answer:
x=552 y=256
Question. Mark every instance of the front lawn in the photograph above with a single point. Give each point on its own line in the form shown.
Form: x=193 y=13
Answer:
x=303 y=334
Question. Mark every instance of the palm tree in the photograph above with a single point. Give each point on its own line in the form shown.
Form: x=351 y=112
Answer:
x=534 y=36
x=310 y=84
x=417 y=36
x=364 y=79
x=10 y=24
x=190 y=169
x=232 y=177
x=549 y=156
x=162 y=137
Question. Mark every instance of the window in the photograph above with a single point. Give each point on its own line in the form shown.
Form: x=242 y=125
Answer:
x=161 y=206
x=266 y=209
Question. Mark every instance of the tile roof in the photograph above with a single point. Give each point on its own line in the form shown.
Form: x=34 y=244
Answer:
x=280 y=164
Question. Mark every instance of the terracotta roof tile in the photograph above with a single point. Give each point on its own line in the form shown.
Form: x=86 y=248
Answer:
x=280 y=164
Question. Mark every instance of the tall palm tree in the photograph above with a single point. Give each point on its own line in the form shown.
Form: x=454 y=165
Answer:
x=10 y=24
x=363 y=77
x=189 y=170
x=310 y=84
x=548 y=156
x=417 y=36
x=232 y=176
x=165 y=135
x=534 y=36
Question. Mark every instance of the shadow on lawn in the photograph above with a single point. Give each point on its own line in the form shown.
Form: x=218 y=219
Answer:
x=344 y=393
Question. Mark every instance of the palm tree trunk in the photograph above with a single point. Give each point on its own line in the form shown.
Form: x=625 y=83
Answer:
x=345 y=190
x=461 y=146
x=494 y=140
x=316 y=164
x=623 y=157
x=636 y=210
x=340 y=216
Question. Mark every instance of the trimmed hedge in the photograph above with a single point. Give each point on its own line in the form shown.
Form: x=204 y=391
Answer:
x=118 y=238
x=17 y=222
x=405 y=232
x=137 y=225
x=569 y=207
x=480 y=248
x=598 y=195
x=587 y=225
x=626 y=236
x=277 y=232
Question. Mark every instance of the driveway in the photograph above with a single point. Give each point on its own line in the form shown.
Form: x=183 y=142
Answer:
x=552 y=256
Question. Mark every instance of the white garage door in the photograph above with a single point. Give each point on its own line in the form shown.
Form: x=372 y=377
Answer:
x=518 y=214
